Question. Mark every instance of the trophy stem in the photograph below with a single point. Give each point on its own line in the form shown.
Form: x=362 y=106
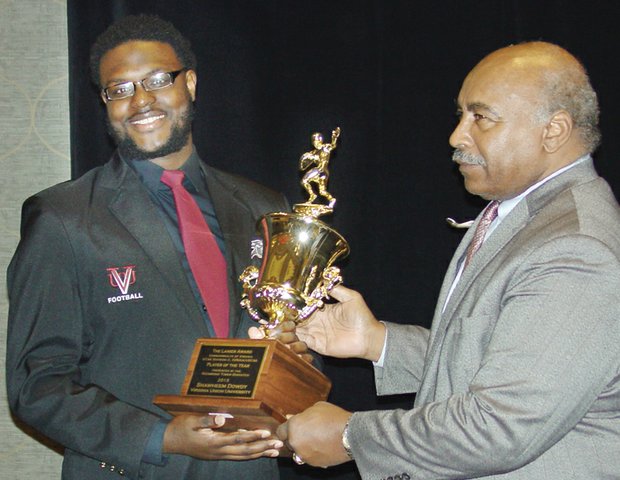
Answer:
x=274 y=318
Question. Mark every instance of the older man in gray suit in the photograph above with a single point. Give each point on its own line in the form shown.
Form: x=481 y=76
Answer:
x=519 y=376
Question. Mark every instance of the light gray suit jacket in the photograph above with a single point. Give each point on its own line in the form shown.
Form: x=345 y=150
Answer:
x=519 y=377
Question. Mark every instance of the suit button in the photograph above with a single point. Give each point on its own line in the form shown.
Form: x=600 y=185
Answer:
x=121 y=472
x=405 y=476
x=103 y=465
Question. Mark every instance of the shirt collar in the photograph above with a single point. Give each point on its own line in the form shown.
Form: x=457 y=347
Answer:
x=150 y=173
x=506 y=206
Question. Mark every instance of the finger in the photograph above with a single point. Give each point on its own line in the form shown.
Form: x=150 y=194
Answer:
x=241 y=445
x=287 y=326
x=301 y=349
x=239 y=442
x=307 y=357
x=342 y=293
x=298 y=347
x=263 y=448
x=209 y=421
x=246 y=436
x=286 y=338
x=256 y=333
x=217 y=421
x=271 y=452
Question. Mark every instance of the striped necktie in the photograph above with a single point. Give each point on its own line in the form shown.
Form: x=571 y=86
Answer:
x=490 y=214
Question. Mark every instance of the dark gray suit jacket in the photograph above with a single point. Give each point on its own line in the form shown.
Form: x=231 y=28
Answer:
x=519 y=377
x=85 y=358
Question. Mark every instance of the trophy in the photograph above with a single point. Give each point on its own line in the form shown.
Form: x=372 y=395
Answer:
x=257 y=383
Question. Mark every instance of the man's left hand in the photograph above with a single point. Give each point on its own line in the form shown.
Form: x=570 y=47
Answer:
x=315 y=435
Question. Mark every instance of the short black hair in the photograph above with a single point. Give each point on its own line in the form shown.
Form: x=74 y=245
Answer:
x=140 y=27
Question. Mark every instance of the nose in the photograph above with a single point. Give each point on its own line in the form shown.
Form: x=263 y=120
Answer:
x=461 y=136
x=141 y=97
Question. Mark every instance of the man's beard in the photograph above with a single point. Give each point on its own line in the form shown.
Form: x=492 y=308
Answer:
x=177 y=140
x=459 y=156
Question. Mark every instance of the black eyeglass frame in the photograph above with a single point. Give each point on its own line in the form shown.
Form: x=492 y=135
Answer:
x=173 y=76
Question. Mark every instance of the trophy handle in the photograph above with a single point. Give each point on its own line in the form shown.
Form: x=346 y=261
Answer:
x=248 y=279
x=330 y=278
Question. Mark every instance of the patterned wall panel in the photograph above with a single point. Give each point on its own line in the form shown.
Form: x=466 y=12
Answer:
x=34 y=154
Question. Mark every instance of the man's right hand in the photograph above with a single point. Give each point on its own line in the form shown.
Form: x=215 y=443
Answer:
x=197 y=436
x=344 y=329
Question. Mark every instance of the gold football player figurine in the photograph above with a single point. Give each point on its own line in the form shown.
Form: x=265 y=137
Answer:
x=319 y=174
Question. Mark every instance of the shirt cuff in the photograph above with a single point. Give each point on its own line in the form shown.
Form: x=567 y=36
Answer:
x=379 y=363
x=154 y=445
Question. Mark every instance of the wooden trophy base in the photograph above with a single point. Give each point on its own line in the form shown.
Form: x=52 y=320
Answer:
x=254 y=383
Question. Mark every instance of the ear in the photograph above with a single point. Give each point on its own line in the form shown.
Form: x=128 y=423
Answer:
x=557 y=131
x=190 y=82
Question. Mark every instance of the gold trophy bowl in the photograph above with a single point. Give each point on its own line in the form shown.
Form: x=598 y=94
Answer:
x=296 y=273
x=257 y=383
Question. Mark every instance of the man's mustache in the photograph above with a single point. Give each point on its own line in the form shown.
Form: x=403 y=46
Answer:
x=459 y=156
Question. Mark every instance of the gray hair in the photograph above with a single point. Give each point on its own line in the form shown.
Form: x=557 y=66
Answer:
x=569 y=89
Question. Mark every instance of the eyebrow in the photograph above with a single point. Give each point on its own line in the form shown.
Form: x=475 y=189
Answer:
x=482 y=106
x=113 y=82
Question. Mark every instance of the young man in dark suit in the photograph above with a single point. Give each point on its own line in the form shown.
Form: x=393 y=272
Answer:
x=105 y=302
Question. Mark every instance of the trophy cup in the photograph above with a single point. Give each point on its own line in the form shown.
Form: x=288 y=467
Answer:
x=257 y=383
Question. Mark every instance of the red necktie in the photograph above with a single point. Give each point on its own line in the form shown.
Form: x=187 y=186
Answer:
x=490 y=214
x=203 y=254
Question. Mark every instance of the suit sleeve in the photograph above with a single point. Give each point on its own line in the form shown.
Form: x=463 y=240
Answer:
x=48 y=349
x=552 y=353
x=403 y=364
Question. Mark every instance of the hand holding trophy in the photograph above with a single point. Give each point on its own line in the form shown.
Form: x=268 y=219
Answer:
x=257 y=383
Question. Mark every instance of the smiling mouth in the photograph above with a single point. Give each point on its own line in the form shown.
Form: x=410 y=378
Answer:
x=147 y=120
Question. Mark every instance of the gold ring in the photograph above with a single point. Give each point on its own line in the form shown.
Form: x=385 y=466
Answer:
x=297 y=459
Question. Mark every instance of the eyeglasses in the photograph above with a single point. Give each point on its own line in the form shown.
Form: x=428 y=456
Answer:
x=156 y=81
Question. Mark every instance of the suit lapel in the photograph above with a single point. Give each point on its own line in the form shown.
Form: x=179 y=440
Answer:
x=145 y=224
x=509 y=227
x=237 y=225
x=516 y=220
x=447 y=283
x=453 y=268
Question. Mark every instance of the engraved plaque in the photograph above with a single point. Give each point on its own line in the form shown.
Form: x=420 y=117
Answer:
x=226 y=370
x=255 y=383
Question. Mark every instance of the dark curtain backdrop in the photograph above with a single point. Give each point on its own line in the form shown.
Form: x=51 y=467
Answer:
x=387 y=72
